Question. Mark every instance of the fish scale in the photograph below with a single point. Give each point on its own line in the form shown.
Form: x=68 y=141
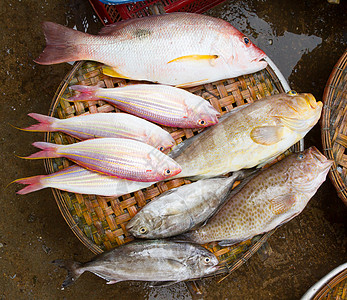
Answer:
x=177 y=49
x=268 y=200
x=250 y=135
x=164 y=262
x=124 y=158
x=162 y=104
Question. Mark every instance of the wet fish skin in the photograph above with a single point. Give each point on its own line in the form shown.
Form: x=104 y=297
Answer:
x=180 y=209
x=251 y=134
x=154 y=260
x=114 y=125
x=165 y=105
x=229 y=136
x=177 y=49
x=76 y=179
x=270 y=199
x=122 y=158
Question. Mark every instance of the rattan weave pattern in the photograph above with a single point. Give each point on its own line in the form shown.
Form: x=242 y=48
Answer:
x=336 y=288
x=99 y=222
x=334 y=125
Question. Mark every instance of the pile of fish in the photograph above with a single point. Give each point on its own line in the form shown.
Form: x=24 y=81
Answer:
x=119 y=153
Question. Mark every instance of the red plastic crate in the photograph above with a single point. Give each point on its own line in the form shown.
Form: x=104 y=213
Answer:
x=115 y=13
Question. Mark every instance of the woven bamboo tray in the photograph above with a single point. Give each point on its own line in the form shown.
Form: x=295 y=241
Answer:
x=336 y=288
x=99 y=222
x=331 y=286
x=334 y=125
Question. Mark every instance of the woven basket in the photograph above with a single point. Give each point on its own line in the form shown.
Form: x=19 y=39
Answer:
x=334 y=125
x=99 y=222
x=336 y=288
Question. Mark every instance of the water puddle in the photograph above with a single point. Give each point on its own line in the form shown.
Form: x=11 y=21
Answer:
x=284 y=48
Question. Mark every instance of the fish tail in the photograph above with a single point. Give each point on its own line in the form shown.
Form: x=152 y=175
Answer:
x=73 y=268
x=46 y=123
x=63 y=44
x=49 y=150
x=34 y=184
x=84 y=93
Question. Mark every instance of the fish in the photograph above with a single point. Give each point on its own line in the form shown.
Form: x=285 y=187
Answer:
x=270 y=199
x=76 y=179
x=165 y=105
x=114 y=125
x=179 y=49
x=248 y=136
x=122 y=158
x=159 y=261
x=180 y=209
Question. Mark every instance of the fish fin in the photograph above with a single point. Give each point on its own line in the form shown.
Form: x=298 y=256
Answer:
x=73 y=270
x=46 y=123
x=112 y=29
x=226 y=243
x=48 y=151
x=281 y=204
x=84 y=93
x=192 y=83
x=112 y=72
x=267 y=135
x=113 y=281
x=162 y=283
x=62 y=44
x=193 y=57
x=34 y=184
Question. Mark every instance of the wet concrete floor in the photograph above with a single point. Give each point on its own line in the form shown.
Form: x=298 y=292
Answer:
x=304 y=38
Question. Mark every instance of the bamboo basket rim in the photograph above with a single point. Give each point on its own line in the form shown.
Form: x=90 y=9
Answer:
x=228 y=268
x=329 y=286
x=332 y=85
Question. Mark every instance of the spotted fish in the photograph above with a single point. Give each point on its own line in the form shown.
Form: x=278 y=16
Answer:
x=268 y=200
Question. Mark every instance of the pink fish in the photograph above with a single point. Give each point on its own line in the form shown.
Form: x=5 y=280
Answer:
x=115 y=125
x=76 y=179
x=122 y=158
x=162 y=104
x=181 y=49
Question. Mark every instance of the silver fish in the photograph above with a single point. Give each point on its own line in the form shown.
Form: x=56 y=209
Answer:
x=162 y=262
x=180 y=209
x=270 y=199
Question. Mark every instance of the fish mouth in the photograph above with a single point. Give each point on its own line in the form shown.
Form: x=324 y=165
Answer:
x=326 y=163
x=261 y=58
x=213 y=269
x=311 y=100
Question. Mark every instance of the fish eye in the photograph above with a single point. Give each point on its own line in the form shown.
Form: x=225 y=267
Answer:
x=143 y=230
x=207 y=260
x=161 y=148
x=292 y=93
x=246 y=40
x=300 y=156
x=167 y=172
x=201 y=122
